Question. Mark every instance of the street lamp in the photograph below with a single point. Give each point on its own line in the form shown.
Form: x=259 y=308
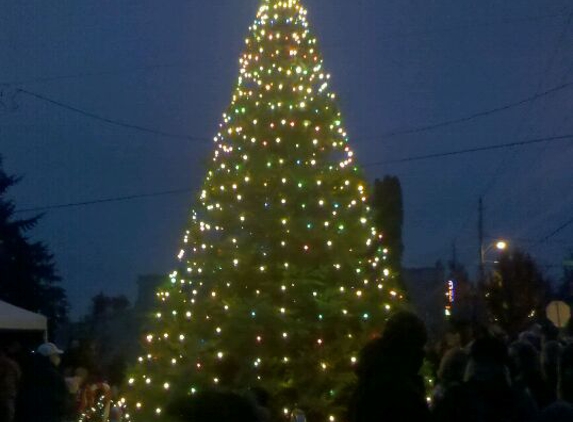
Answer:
x=500 y=245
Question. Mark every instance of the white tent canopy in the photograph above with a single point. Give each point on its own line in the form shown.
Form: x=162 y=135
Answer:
x=18 y=319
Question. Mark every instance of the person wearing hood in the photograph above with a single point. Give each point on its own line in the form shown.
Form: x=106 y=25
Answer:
x=390 y=388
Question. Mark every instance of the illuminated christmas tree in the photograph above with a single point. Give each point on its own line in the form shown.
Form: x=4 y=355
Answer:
x=283 y=277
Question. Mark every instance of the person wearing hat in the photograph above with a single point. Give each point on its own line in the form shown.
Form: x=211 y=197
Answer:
x=52 y=352
x=45 y=391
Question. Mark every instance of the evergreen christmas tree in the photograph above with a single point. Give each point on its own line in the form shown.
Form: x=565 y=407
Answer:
x=283 y=277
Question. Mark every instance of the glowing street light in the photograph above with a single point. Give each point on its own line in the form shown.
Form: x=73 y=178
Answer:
x=501 y=245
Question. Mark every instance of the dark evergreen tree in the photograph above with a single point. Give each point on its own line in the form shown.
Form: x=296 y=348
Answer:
x=388 y=215
x=515 y=292
x=111 y=331
x=28 y=277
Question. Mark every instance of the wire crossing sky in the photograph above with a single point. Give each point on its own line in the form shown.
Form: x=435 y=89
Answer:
x=388 y=135
x=380 y=163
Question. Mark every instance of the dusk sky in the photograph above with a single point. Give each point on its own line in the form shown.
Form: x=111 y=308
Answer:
x=171 y=66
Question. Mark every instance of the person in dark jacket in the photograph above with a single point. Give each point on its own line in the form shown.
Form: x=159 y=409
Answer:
x=390 y=387
x=10 y=375
x=562 y=409
x=487 y=395
x=550 y=366
x=261 y=399
x=525 y=368
x=566 y=375
x=44 y=392
x=450 y=373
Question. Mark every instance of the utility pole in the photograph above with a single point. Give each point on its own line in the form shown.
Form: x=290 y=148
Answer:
x=476 y=296
x=481 y=278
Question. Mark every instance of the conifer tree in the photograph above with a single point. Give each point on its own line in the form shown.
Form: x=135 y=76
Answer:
x=28 y=275
x=283 y=276
x=516 y=292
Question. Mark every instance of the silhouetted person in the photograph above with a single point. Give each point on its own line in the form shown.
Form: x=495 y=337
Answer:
x=566 y=375
x=550 y=355
x=44 y=393
x=526 y=372
x=562 y=410
x=533 y=337
x=261 y=400
x=73 y=357
x=450 y=373
x=75 y=384
x=549 y=332
x=568 y=333
x=390 y=387
x=10 y=375
x=213 y=407
x=487 y=394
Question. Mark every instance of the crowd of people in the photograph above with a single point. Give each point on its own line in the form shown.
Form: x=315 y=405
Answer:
x=480 y=376
x=33 y=393
x=50 y=386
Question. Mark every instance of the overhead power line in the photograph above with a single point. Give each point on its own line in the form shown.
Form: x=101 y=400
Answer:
x=484 y=113
x=388 y=135
x=471 y=150
x=556 y=231
x=503 y=166
x=402 y=160
x=118 y=71
x=104 y=200
x=112 y=121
